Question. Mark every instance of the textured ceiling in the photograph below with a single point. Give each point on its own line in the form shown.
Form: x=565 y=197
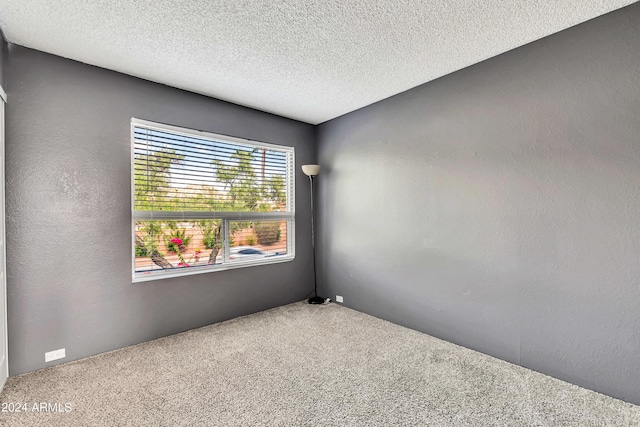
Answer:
x=311 y=60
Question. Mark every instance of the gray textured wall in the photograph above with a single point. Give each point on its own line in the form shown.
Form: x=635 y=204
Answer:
x=69 y=220
x=499 y=207
x=3 y=59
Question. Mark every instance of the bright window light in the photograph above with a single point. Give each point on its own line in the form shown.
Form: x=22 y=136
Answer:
x=203 y=202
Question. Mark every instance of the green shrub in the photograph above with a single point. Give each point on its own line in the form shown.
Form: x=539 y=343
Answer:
x=150 y=230
x=267 y=233
x=210 y=236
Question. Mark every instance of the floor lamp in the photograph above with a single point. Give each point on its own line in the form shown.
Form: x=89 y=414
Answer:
x=311 y=171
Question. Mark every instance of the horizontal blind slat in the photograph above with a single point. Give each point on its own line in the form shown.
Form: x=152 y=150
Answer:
x=195 y=215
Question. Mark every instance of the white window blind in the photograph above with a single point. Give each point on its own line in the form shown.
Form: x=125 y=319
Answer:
x=205 y=202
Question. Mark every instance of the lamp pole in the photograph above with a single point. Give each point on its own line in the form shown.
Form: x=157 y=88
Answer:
x=311 y=171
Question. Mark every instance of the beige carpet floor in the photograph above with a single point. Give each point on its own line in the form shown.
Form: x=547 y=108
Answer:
x=264 y=370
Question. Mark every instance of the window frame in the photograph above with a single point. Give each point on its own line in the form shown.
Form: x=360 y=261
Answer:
x=225 y=217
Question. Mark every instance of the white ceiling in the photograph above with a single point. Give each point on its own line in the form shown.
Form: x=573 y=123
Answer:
x=310 y=60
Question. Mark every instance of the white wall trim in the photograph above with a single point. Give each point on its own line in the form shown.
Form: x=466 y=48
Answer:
x=3 y=94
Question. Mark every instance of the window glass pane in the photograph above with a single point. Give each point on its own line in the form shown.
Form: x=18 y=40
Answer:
x=255 y=240
x=166 y=245
x=178 y=172
x=196 y=193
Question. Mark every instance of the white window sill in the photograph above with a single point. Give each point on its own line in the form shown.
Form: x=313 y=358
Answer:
x=190 y=271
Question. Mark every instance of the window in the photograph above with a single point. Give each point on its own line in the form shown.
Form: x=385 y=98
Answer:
x=204 y=202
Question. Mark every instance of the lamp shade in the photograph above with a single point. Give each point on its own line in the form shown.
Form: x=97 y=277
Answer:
x=311 y=170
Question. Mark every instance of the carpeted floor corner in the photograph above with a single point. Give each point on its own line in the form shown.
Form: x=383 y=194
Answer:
x=264 y=370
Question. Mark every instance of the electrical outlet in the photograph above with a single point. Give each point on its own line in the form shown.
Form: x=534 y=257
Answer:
x=339 y=298
x=54 y=355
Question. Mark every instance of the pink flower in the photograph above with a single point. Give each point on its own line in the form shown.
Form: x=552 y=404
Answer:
x=176 y=241
x=183 y=264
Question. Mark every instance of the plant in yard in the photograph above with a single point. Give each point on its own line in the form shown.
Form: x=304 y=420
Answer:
x=153 y=253
x=149 y=231
x=177 y=235
x=193 y=260
x=141 y=251
x=176 y=246
x=211 y=237
x=251 y=239
x=210 y=234
x=152 y=174
x=267 y=232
